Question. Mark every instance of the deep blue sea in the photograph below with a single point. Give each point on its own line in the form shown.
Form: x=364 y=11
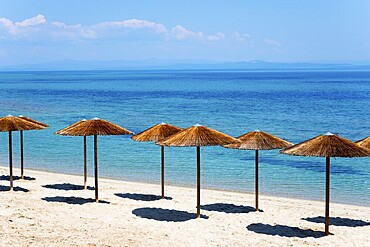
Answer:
x=294 y=105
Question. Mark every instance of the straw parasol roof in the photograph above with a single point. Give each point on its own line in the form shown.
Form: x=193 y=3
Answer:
x=196 y=136
x=329 y=145
x=8 y=124
x=156 y=133
x=11 y=123
x=365 y=143
x=64 y=131
x=259 y=140
x=34 y=121
x=95 y=126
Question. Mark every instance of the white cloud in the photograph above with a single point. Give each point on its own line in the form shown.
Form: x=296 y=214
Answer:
x=6 y=23
x=181 y=33
x=20 y=29
x=7 y=26
x=272 y=42
x=39 y=29
x=241 y=36
x=218 y=36
x=132 y=24
x=37 y=20
x=60 y=30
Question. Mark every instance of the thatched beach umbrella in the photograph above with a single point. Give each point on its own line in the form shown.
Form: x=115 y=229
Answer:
x=65 y=132
x=9 y=124
x=328 y=145
x=42 y=126
x=33 y=121
x=95 y=127
x=365 y=143
x=258 y=140
x=197 y=136
x=154 y=134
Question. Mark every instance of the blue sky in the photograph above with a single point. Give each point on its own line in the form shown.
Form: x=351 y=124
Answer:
x=278 y=31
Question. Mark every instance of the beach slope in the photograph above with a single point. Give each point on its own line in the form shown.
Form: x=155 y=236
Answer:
x=50 y=209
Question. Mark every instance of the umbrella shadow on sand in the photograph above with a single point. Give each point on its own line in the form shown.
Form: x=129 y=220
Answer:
x=338 y=221
x=161 y=214
x=72 y=200
x=229 y=208
x=141 y=197
x=66 y=186
x=17 y=188
x=7 y=177
x=284 y=231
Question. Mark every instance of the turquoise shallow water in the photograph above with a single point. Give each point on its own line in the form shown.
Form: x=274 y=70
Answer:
x=293 y=105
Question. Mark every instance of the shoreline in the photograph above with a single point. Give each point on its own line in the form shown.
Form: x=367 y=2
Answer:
x=185 y=187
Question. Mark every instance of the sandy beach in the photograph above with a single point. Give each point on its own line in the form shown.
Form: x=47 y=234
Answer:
x=50 y=209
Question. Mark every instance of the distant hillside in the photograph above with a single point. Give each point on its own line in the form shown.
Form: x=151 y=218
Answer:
x=155 y=64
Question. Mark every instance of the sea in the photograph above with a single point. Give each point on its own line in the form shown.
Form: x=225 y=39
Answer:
x=291 y=104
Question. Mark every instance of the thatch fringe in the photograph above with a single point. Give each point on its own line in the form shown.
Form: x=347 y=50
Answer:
x=64 y=131
x=34 y=121
x=11 y=123
x=156 y=133
x=259 y=140
x=365 y=143
x=328 y=145
x=198 y=135
x=93 y=126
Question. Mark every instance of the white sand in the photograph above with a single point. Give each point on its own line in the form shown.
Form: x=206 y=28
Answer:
x=27 y=219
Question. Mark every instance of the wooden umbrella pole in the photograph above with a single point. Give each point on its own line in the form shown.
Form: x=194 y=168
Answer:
x=85 y=164
x=21 y=137
x=162 y=169
x=198 y=181
x=10 y=161
x=327 y=200
x=96 y=167
x=256 y=180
